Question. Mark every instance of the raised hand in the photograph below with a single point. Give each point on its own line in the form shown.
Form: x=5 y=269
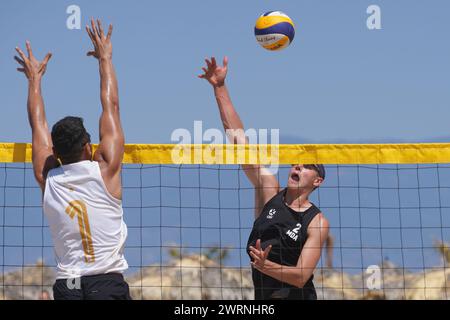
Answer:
x=259 y=256
x=30 y=66
x=213 y=73
x=102 y=44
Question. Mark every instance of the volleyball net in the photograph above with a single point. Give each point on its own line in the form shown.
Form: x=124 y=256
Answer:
x=190 y=210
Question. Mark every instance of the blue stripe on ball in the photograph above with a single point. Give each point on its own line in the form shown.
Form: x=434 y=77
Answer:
x=283 y=27
x=267 y=13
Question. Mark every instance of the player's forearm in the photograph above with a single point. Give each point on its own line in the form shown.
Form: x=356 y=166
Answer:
x=294 y=276
x=109 y=92
x=230 y=118
x=35 y=106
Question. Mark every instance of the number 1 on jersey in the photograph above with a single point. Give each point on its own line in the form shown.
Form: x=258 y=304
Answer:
x=78 y=208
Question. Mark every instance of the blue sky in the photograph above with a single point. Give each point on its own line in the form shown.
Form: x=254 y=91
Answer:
x=337 y=82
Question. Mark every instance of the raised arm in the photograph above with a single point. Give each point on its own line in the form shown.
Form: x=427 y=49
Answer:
x=42 y=152
x=265 y=183
x=111 y=148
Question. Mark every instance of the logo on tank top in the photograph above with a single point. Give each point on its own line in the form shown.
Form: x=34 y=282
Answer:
x=271 y=213
x=293 y=234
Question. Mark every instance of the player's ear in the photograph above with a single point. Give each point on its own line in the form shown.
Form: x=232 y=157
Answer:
x=88 y=151
x=55 y=154
x=317 y=182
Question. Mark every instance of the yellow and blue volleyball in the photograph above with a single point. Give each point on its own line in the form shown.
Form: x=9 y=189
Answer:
x=274 y=30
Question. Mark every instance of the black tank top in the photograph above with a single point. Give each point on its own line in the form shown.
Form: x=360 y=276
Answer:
x=286 y=230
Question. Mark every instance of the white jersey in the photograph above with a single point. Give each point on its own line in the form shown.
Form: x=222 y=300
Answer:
x=85 y=220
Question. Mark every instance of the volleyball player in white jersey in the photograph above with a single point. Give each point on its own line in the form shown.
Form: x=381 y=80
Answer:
x=81 y=196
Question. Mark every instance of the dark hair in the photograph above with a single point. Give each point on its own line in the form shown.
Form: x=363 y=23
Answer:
x=69 y=137
x=319 y=168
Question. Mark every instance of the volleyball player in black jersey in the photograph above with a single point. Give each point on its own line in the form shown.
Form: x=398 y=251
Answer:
x=289 y=231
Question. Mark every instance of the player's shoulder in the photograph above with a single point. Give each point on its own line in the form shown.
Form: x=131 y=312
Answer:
x=319 y=223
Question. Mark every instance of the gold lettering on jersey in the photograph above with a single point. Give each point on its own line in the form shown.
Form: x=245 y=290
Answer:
x=78 y=208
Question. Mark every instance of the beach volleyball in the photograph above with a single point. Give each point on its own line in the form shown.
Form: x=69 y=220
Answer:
x=274 y=30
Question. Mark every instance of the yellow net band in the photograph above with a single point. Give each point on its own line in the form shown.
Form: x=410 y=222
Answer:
x=264 y=154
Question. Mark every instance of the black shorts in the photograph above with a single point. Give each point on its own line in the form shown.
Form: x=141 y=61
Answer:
x=110 y=286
